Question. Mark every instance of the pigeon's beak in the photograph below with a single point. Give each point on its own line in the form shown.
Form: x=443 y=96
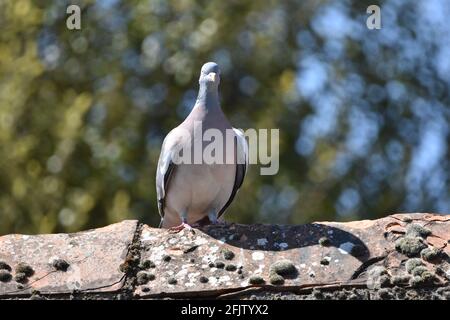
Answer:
x=212 y=76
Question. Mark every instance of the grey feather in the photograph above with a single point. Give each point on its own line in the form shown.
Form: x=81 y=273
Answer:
x=241 y=168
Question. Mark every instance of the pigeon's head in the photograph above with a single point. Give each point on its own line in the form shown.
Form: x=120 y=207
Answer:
x=210 y=74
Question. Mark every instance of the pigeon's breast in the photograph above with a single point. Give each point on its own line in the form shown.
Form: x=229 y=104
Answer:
x=200 y=189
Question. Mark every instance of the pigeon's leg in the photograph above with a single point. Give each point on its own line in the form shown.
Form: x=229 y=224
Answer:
x=183 y=225
x=212 y=216
x=180 y=228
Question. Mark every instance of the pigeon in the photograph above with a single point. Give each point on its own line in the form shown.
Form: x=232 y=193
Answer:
x=191 y=191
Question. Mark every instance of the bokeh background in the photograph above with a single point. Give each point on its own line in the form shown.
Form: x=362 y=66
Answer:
x=363 y=114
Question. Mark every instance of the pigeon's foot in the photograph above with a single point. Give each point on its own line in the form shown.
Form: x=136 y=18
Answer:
x=212 y=217
x=181 y=227
x=197 y=225
x=217 y=223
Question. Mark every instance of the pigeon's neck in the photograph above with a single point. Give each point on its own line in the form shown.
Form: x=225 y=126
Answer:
x=208 y=98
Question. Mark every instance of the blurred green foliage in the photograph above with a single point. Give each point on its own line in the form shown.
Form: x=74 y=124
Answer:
x=363 y=114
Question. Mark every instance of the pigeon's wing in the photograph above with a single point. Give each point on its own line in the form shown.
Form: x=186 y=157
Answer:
x=241 y=167
x=164 y=172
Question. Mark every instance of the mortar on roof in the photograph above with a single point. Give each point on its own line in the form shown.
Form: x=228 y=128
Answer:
x=257 y=256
